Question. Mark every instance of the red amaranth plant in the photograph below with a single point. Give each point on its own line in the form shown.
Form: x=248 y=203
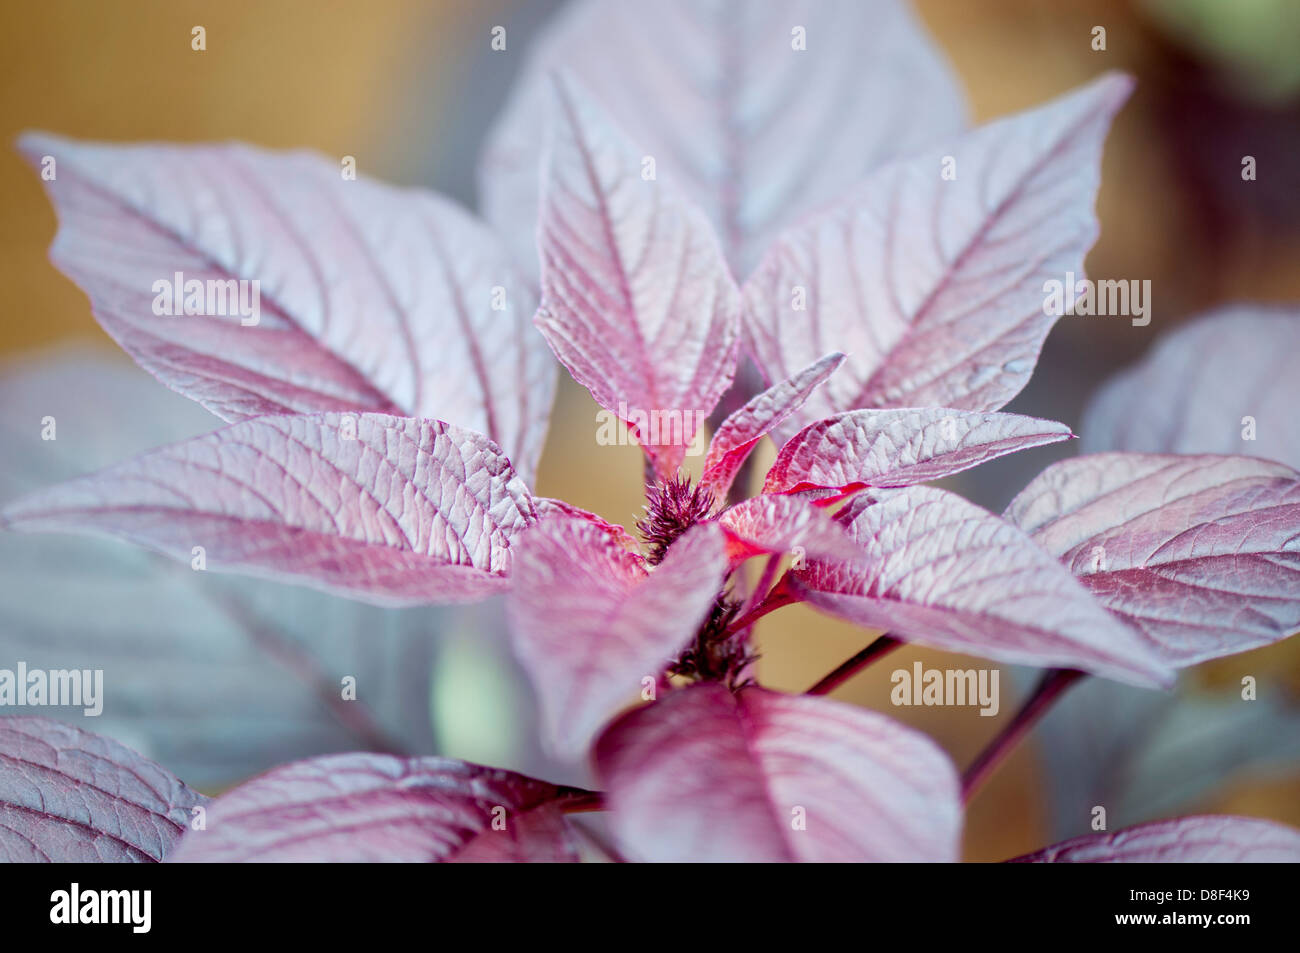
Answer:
x=387 y=412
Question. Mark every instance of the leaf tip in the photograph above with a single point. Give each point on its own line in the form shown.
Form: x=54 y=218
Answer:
x=1113 y=89
x=34 y=144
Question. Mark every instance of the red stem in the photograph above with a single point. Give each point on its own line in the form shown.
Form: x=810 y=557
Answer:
x=778 y=596
x=1049 y=688
x=579 y=801
x=851 y=666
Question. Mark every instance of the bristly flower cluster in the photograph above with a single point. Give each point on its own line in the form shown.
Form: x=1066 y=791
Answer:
x=672 y=507
x=717 y=655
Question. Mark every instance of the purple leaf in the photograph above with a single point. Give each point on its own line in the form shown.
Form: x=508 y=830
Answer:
x=372 y=298
x=755 y=130
x=939 y=571
x=217 y=677
x=891 y=448
x=636 y=299
x=1222 y=384
x=1218 y=839
x=934 y=286
x=784 y=524
x=246 y=671
x=1201 y=554
x=403 y=512
x=706 y=774
x=590 y=623
x=69 y=796
x=367 y=808
x=738 y=434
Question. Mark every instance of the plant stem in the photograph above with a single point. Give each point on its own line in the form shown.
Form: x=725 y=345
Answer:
x=580 y=801
x=851 y=666
x=778 y=596
x=1049 y=688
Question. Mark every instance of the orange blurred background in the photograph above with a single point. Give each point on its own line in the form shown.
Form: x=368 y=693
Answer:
x=409 y=89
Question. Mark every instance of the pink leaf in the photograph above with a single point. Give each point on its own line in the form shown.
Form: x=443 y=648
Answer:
x=218 y=678
x=404 y=512
x=636 y=299
x=755 y=130
x=1218 y=839
x=590 y=623
x=541 y=836
x=784 y=524
x=367 y=808
x=934 y=286
x=1224 y=383
x=890 y=448
x=69 y=796
x=1201 y=554
x=939 y=571
x=709 y=775
x=372 y=298
x=738 y=434
x=546 y=506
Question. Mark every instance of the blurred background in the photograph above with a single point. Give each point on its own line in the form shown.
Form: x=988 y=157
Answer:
x=410 y=88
